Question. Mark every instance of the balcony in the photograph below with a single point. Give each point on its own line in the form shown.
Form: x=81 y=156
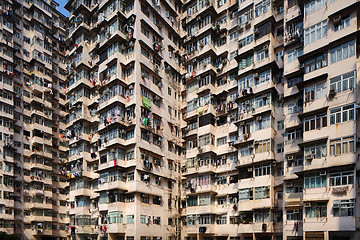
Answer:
x=292 y=13
x=195 y=229
x=80 y=192
x=211 y=188
x=112 y=185
x=209 y=3
x=42 y=232
x=293 y=198
x=116 y=228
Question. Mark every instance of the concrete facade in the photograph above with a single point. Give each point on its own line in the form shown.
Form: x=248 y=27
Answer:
x=193 y=120
x=33 y=199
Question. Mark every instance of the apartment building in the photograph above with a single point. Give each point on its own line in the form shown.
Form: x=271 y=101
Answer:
x=194 y=120
x=320 y=131
x=270 y=133
x=124 y=119
x=32 y=107
x=232 y=170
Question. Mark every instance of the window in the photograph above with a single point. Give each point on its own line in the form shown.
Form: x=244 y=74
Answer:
x=206 y=140
x=204 y=180
x=115 y=217
x=130 y=218
x=342 y=145
x=262 y=7
x=342 y=52
x=157 y=200
x=344 y=208
x=145 y=31
x=315 y=122
x=316 y=151
x=246 y=61
x=192 y=201
x=222 y=200
x=145 y=198
x=315 y=180
x=316 y=63
x=144 y=219
x=314 y=6
x=345 y=22
x=221 y=180
x=145 y=52
x=204 y=200
x=316 y=32
x=294 y=54
x=233 y=35
x=316 y=210
x=280 y=125
x=262 y=192
x=245 y=194
x=221 y=219
x=264 y=123
x=262 y=216
x=246 y=17
x=343 y=82
x=263 y=77
x=262 y=146
x=294 y=214
x=261 y=55
x=315 y=92
x=280 y=54
x=280 y=148
x=145 y=10
x=293 y=81
x=342 y=178
x=246 y=82
x=295 y=161
x=233 y=158
x=263 y=170
x=342 y=114
x=247 y=40
x=245 y=151
x=221 y=141
x=156 y=220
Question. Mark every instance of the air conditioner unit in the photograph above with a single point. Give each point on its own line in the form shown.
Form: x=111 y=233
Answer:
x=289 y=158
x=266 y=47
x=323 y=173
x=308 y=204
x=256 y=31
x=256 y=75
x=259 y=118
x=296 y=210
x=337 y=19
x=336 y=205
x=247 y=102
x=309 y=157
x=223 y=157
x=250 y=169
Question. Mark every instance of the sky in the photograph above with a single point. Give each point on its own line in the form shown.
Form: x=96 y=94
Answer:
x=62 y=3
